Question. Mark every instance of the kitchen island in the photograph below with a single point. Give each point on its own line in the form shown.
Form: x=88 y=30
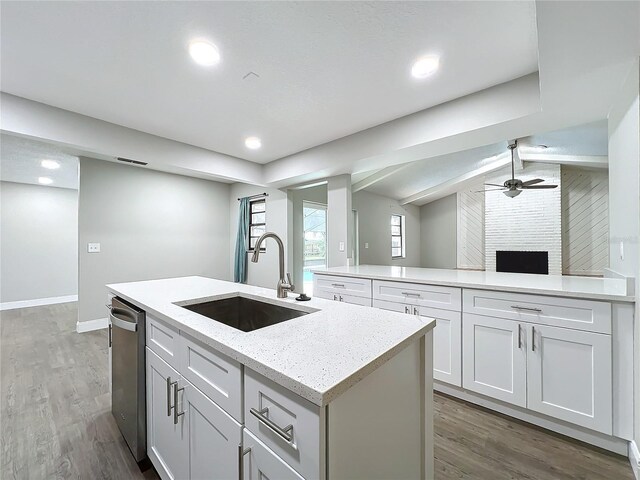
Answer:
x=552 y=350
x=340 y=391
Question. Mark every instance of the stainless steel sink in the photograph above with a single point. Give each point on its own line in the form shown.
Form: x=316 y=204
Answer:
x=244 y=313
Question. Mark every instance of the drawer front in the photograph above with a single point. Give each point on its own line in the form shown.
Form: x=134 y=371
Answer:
x=163 y=340
x=216 y=375
x=261 y=463
x=285 y=422
x=446 y=298
x=330 y=285
x=587 y=315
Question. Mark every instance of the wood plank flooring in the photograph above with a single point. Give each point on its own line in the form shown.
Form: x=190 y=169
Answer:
x=56 y=420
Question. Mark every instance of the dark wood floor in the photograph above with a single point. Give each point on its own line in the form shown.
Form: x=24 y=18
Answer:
x=56 y=421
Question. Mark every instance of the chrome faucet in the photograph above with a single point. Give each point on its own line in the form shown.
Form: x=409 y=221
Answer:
x=284 y=284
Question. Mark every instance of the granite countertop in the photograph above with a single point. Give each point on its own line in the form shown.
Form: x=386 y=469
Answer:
x=318 y=356
x=557 y=285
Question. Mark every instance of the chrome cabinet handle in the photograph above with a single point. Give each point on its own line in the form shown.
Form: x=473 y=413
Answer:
x=519 y=336
x=169 y=406
x=241 y=453
x=110 y=338
x=338 y=285
x=263 y=417
x=176 y=389
x=411 y=294
x=528 y=309
x=341 y=298
x=533 y=338
x=335 y=297
x=415 y=311
x=406 y=310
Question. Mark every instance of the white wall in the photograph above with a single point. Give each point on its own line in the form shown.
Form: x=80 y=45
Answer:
x=150 y=225
x=624 y=200
x=265 y=272
x=438 y=233
x=374 y=225
x=530 y=221
x=38 y=242
x=339 y=220
x=585 y=221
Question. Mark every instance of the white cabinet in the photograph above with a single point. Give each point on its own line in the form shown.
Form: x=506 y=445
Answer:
x=260 y=463
x=569 y=376
x=188 y=435
x=166 y=440
x=495 y=358
x=213 y=437
x=447 y=338
x=434 y=296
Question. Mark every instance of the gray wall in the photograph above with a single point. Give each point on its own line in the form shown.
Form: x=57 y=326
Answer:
x=438 y=239
x=374 y=225
x=150 y=225
x=265 y=272
x=39 y=242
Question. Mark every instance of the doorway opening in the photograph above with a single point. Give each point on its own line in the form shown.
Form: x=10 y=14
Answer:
x=314 y=240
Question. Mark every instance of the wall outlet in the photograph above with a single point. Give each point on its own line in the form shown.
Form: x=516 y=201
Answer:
x=621 y=250
x=341 y=246
x=366 y=244
x=93 y=247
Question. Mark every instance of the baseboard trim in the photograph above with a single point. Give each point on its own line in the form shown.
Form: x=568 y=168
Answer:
x=91 y=325
x=37 y=302
x=634 y=459
x=606 y=442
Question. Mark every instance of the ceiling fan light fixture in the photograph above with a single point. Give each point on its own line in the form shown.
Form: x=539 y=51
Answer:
x=512 y=193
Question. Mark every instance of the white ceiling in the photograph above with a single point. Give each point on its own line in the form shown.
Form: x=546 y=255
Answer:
x=20 y=162
x=582 y=140
x=326 y=69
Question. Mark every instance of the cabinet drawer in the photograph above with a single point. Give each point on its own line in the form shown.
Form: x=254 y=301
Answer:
x=163 y=340
x=216 y=375
x=330 y=285
x=446 y=298
x=261 y=463
x=578 y=314
x=285 y=422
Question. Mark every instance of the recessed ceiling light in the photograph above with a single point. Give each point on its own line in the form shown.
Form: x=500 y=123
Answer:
x=50 y=164
x=425 y=66
x=204 y=53
x=253 y=143
x=45 y=180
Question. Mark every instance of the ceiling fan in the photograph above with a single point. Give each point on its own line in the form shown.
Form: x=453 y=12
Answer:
x=513 y=187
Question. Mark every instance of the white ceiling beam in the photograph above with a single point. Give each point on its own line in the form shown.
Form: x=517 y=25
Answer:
x=453 y=185
x=377 y=177
x=591 y=161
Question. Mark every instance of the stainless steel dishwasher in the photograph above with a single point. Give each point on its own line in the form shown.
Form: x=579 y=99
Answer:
x=128 y=392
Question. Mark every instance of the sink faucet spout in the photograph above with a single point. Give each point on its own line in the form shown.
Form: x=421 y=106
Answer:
x=284 y=284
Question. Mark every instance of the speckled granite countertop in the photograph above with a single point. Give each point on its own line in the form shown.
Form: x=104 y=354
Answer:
x=557 y=285
x=318 y=356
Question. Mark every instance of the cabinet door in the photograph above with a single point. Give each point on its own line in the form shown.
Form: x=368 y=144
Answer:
x=447 y=344
x=167 y=444
x=214 y=437
x=260 y=463
x=569 y=376
x=495 y=358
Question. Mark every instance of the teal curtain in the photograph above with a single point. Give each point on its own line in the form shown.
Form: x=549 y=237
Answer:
x=240 y=266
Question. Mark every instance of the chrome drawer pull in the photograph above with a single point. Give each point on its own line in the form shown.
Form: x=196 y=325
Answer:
x=263 y=417
x=341 y=285
x=169 y=385
x=241 y=453
x=528 y=309
x=411 y=294
x=175 y=400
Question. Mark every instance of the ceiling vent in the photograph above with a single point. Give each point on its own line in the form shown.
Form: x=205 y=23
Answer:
x=128 y=160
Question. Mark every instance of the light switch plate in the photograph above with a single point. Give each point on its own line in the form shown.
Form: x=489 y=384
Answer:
x=341 y=246
x=93 y=247
x=366 y=244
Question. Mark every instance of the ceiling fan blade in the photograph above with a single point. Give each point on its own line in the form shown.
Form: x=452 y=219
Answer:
x=531 y=187
x=494 y=185
x=490 y=190
x=532 y=182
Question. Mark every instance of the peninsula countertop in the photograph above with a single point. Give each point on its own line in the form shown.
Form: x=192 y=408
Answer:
x=557 y=285
x=318 y=356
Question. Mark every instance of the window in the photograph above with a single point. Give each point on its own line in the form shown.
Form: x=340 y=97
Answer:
x=257 y=222
x=397 y=236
